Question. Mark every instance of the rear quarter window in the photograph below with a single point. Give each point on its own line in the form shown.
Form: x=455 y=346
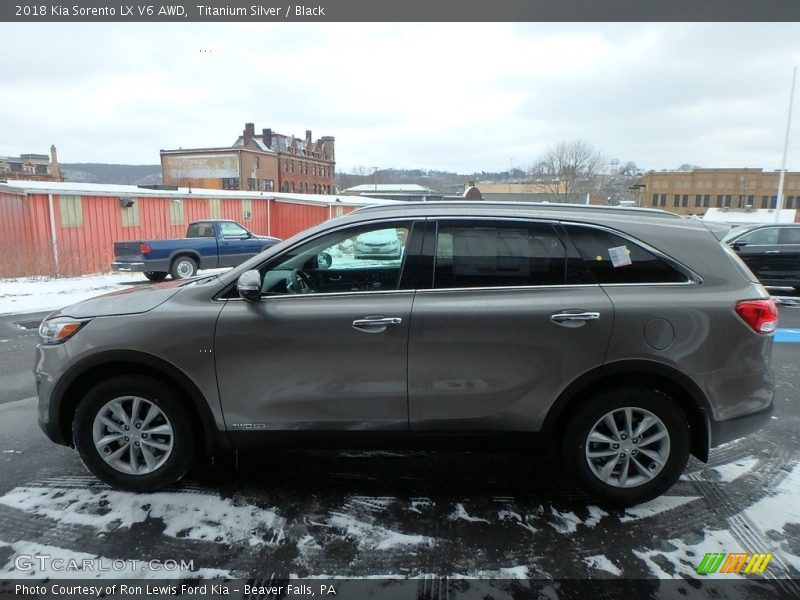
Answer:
x=611 y=258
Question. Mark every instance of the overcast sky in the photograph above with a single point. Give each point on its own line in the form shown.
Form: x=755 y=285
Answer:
x=461 y=97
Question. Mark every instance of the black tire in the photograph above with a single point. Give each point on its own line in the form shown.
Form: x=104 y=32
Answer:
x=591 y=410
x=156 y=275
x=176 y=463
x=183 y=267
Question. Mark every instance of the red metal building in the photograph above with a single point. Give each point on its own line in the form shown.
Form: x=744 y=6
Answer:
x=53 y=228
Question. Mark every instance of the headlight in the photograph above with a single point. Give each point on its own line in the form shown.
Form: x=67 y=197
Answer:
x=55 y=329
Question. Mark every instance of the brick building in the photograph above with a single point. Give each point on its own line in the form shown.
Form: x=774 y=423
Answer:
x=31 y=167
x=267 y=162
x=694 y=192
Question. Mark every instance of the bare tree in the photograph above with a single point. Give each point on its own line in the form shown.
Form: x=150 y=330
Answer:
x=568 y=170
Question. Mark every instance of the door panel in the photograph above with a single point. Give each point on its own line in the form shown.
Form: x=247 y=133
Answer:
x=482 y=360
x=297 y=362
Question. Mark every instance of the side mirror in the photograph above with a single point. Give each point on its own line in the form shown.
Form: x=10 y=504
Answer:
x=324 y=261
x=737 y=245
x=249 y=286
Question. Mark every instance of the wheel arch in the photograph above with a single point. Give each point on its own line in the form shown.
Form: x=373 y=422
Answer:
x=87 y=373
x=678 y=386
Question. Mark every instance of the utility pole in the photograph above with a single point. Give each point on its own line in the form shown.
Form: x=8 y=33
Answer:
x=779 y=199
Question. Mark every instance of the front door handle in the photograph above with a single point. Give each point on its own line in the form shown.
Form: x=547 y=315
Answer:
x=574 y=319
x=772 y=251
x=376 y=324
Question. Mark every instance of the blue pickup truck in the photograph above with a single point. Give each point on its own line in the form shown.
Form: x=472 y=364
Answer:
x=208 y=245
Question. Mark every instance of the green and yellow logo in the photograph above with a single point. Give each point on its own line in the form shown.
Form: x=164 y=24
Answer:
x=736 y=562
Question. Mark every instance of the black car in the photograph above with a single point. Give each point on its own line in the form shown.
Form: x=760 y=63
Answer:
x=771 y=251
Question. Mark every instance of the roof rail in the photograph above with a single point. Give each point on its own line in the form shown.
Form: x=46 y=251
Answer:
x=554 y=206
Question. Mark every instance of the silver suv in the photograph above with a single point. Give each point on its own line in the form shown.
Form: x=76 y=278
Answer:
x=628 y=338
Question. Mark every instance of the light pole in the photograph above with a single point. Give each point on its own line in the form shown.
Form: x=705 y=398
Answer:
x=375 y=175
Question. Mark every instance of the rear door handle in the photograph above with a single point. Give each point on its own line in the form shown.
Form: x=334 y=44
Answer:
x=376 y=324
x=574 y=319
x=772 y=251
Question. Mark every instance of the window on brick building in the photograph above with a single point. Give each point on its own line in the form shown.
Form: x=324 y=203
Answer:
x=230 y=183
x=719 y=201
x=707 y=200
x=676 y=201
x=269 y=185
x=251 y=184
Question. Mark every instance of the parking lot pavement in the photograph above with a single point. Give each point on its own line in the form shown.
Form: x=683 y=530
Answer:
x=409 y=514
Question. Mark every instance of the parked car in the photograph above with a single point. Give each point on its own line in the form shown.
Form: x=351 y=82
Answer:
x=207 y=245
x=378 y=245
x=626 y=338
x=772 y=251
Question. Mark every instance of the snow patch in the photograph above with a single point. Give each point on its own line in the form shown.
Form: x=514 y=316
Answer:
x=566 y=522
x=510 y=515
x=656 y=506
x=684 y=559
x=461 y=513
x=371 y=536
x=595 y=516
x=736 y=469
x=190 y=516
x=601 y=563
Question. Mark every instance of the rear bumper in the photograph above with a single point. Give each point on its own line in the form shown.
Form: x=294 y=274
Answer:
x=731 y=429
x=128 y=266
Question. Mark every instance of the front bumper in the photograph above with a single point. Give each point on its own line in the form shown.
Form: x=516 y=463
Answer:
x=47 y=417
x=731 y=429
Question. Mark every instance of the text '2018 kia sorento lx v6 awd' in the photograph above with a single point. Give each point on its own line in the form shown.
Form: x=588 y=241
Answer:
x=630 y=338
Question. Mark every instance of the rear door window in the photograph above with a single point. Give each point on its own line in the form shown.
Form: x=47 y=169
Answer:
x=791 y=235
x=611 y=258
x=498 y=254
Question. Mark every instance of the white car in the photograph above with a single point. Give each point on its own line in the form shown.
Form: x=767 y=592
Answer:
x=381 y=244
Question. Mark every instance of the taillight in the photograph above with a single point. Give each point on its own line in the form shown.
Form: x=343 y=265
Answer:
x=761 y=315
x=144 y=248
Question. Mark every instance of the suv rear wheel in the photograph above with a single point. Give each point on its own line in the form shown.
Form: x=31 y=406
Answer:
x=133 y=433
x=627 y=445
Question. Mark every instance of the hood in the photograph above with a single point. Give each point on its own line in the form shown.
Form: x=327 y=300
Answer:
x=130 y=301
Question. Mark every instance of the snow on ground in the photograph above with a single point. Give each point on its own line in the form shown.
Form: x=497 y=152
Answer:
x=654 y=507
x=369 y=534
x=27 y=295
x=189 y=516
x=461 y=513
x=680 y=560
x=59 y=566
x=564 y=522
x=730 y=471
x=37 y=294
x=777 y=510
x=601 y=563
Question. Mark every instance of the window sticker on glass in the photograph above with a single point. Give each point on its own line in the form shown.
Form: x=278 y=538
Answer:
x=620 y=256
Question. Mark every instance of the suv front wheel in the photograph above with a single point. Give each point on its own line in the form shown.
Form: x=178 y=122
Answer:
x=627 y=445
x=133 y=433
